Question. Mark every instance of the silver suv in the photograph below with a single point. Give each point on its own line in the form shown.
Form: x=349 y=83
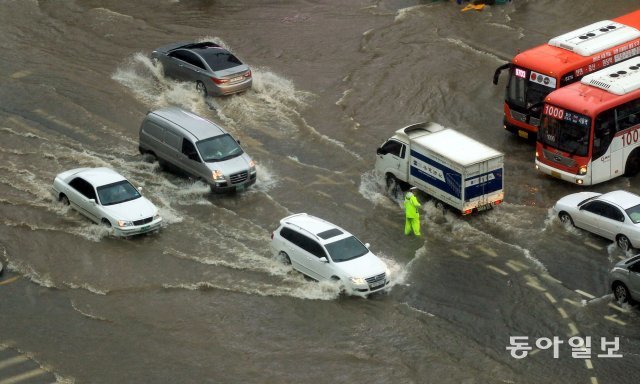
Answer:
x=625 y=279
x=324 y=251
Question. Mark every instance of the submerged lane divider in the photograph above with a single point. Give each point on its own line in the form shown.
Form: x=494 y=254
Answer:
x=9 y=280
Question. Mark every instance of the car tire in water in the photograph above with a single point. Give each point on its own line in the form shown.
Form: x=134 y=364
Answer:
x=201 y=88
x=624 y=243
x=105 y=223
x=565 y=218
x=284 y=258
x=393 y=185
x=621 y=293
x=341 y=287
x=64 y=199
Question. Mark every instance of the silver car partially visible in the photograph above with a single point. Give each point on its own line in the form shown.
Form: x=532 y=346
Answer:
x=213 y=69
x=625 y=279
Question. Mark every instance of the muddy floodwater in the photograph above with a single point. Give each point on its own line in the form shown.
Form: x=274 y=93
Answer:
x=203 y=300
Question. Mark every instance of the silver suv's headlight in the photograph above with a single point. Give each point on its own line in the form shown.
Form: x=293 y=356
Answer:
x=358 y=280
x=217 y=175
x=124 y=223
x=252 y=166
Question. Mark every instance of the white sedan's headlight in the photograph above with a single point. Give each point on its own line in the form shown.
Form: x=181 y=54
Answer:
x=124 y=223
x=156 y=217
x=358 y=280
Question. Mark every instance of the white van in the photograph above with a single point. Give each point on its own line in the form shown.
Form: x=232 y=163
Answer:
x=197 y=147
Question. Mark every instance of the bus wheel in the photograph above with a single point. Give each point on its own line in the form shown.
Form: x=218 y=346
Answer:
x=633 y=163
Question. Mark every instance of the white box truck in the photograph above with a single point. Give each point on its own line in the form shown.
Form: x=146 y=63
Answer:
x=445 y=164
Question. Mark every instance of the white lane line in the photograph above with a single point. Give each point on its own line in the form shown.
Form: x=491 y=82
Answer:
x=513 y=266
x=585 y=294
x=594 y=380
x=562 y=313
x=460 y=253
x=551 y=298
x=23 y=376
x=592 y=245
x=574 y=303
x=323 y=194
x=537 y=286
x=12 y=361
x=354 y=207
x=20 y=74
x=3 y=347
x=518 y=264
x=618 y=308
x=615 y=319
x=549 y=277
x=573 y=329
x=621 y=257
x=498 y=270
x=488 y=251
x=588 y=363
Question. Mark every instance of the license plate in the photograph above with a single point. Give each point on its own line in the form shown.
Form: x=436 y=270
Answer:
x=523 y=134
x=236 y=79
x=556 y=174
x=145 y=227
x=377 y=284
x=484 y=207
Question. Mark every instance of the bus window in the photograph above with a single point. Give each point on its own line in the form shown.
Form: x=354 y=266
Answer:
x=628 y=115
x=516 y=90
x=603 y=132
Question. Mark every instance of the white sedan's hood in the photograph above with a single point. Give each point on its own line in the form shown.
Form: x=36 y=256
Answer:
x=132 y=210
x=363 y=266
x=572 y=200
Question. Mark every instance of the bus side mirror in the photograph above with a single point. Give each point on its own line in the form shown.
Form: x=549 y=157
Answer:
x=496 y=75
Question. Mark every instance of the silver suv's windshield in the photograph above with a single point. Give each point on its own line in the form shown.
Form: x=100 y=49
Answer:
x=219 y=148
x=569 y=134
x=117 y=193
x=346 y=249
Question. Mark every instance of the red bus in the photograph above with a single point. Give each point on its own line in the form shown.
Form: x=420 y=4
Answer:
x=536 y=72
x=589 y=131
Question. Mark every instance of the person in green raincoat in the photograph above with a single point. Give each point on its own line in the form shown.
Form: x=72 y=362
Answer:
x=412 y=213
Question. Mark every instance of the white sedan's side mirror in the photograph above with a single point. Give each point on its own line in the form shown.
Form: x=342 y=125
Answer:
x=140 y=189
x=323 y=259
x=367 y=245
x=93 y=201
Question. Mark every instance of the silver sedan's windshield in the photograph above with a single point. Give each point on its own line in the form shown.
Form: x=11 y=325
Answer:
x=346 y=249
x=219 y=148
x=634 y=214
x=117 y=193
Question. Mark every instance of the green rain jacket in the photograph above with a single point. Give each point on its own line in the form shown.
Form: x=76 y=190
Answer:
x=411 y=206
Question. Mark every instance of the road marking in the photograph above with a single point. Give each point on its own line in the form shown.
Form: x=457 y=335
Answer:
x=594 y=380
x=573 y=329
x=518 y=264
x=498 y=270
x=23 y=376
x=534 y=351
x=562 y=313
x=588 y=363
x=488 y=251
x=551 y=298
x=323 y=194
x=20 y=74
x=460 y=253
x=513 y=266
x=585 y=294
x=549 y=277
x=621 y=257
x=592 y=245
x=574 y=303
x=354 y=207
x=536 y=286
x=12 y=361
x=615 y=319
x=9 y=280
x=618 y=308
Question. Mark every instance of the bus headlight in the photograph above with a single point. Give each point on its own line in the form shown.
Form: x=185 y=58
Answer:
x=583 y=170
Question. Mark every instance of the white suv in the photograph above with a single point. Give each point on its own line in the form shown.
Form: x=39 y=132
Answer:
x=324 y=251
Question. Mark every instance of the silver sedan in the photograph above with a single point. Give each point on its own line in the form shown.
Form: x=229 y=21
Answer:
x=625 y=279
x=614 y=215
x=214 y=70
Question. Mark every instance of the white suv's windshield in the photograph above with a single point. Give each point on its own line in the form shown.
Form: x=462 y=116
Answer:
x=219 y=148
x=346 y=249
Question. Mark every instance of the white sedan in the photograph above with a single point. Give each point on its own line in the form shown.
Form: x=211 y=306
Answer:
x=614 y=215
x=106 y=197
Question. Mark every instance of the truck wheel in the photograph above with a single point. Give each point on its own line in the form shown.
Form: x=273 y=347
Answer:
x=393 y=185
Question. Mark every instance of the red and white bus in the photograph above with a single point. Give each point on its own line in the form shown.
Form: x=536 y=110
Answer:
x=536 y=72
x=589 y=131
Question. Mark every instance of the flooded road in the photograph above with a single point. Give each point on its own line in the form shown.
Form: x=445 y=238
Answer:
x=203 y=300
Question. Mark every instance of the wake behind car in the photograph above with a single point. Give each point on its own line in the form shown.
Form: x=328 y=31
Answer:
x=625 y=280
x=106 y=197
x=324 y=251
x=614 y=215
x=213 y=69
